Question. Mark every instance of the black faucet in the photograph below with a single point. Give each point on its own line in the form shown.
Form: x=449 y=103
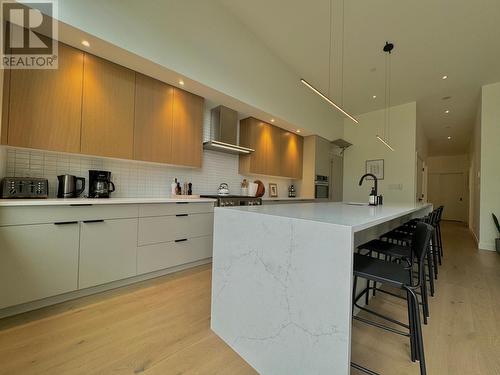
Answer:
x=374 y=179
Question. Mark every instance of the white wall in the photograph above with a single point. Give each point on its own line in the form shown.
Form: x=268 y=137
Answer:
x=448 y=164
x=398 y=185
x=422 y=142
x=201 y=40
x=490 y=164
x=475 y=176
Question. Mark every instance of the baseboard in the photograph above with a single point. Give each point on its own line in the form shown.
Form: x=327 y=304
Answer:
x=476 y=239
x=18 y=309
x=487 y=246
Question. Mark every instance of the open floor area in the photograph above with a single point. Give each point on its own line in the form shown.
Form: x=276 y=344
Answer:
x=162 y=326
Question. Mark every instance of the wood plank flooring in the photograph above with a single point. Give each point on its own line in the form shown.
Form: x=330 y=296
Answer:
x=161 y=326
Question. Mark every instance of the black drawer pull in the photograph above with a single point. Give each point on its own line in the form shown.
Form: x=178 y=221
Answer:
x=182 y=215
x=66 y=222
x=181 y=202
x=80 y=205
x=93 y=221
x=182 y=240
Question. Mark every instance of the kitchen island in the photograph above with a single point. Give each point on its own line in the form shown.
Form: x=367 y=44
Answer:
x=282 y=280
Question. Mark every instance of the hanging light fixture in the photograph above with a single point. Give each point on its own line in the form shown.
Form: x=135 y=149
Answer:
x=318 y=92
x=387 y=115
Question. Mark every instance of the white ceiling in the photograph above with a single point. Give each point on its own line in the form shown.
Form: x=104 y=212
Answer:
x=457 y=38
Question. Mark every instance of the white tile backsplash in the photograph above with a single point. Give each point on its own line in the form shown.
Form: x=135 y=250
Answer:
x=133 y=178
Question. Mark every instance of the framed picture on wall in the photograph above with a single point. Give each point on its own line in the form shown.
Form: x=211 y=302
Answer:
x=273 y=190
x=375 y=167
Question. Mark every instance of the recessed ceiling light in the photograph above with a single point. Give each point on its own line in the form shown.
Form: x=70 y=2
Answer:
x=181 y=82
x=298 y=130
x=86 y=43
x=449 y=137
x=272 y=120
x=374 y=96
x=445 y=77
x=447 y=111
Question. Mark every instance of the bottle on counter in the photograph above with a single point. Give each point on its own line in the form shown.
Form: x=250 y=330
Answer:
x=178 y=189
x=373 y=198
x=173 y=187
x=190 y=189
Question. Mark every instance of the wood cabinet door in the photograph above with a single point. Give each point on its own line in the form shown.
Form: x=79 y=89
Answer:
x=108 y=251
x=45 y=104
x=254 y=134
x=153 y=120
x=108 y=109
x=291 y=155
x=37 y=261
x=273 y=153
x=187 y=131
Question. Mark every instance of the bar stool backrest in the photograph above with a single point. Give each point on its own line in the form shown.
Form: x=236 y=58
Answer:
x=420 y=245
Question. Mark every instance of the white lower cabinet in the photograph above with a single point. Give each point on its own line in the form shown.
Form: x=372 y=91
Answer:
x=37 y=261
x=108 y=251
x=169 y=254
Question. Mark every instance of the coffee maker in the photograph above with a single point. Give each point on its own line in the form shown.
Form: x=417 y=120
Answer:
x=100 y=185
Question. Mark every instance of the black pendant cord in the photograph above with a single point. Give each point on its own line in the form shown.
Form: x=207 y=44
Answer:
x=330 y=51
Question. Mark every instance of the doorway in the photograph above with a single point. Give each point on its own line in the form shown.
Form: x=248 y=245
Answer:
x=449 y=190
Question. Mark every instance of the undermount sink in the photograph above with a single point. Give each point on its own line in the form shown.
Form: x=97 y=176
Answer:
x=356 y=204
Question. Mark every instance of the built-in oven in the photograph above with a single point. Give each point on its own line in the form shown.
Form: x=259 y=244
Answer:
x=321 y=187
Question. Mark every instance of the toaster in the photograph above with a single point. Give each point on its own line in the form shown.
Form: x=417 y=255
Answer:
x=24 y=187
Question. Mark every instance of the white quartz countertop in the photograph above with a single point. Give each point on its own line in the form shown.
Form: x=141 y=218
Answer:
x=96 y=201
x=268 y=199
x=355 y=215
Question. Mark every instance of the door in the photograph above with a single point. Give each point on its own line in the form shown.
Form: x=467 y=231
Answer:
x=420 y=180
x=45 y=104
x=108 y=250
x=450 y=191
x=108 y=109
x=37 y=261
x=187 y=129
x=153 y=120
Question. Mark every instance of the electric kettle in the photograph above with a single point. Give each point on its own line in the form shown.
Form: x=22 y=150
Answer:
x=67 y=187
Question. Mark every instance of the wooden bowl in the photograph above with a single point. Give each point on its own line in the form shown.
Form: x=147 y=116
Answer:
x=261 y=189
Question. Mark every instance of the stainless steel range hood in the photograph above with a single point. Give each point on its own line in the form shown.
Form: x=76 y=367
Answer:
x=224 y=132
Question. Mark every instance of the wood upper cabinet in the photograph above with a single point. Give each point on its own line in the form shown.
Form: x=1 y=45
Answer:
x=187 y=130
x=291 y=155
x=108 y=109
x=277 y=152
x=153 y=120
x=45 y=106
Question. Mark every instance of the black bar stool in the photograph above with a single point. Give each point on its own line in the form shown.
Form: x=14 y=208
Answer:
x=399 y=276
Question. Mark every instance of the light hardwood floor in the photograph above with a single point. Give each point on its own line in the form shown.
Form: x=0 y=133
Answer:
x=162 y=327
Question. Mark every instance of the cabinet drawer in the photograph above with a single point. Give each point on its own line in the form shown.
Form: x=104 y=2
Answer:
x=170 y=228
x=53 y=214
x=108 y=251
x=164 y=255
x=155 y=209
x=37 y=261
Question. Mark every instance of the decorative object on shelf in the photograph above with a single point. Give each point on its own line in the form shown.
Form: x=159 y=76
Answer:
x=252 y=189
x=387 y=115
x=375 y=167
x=273 y=190
x=261 y=189
x=244 y=187
x=497 y=240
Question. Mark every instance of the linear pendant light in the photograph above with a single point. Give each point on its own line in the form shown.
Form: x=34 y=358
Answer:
x=328 y=100
x=314 y=89
x=387 y=118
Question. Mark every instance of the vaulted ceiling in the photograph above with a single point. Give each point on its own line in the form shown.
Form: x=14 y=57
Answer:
x=456 y=38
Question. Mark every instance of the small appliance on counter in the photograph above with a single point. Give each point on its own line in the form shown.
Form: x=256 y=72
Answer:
x=24 y=187
x=67 y=186
x=291 y=192
x=100 y=185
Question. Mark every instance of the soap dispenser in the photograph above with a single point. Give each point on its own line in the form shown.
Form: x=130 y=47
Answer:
x=373 y=198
